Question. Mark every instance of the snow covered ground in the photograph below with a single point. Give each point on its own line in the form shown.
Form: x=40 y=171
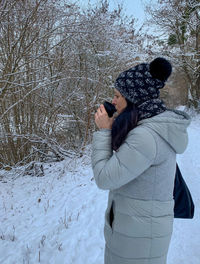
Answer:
x=58 y=218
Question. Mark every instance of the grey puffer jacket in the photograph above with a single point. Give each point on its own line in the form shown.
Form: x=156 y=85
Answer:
x=140 y=177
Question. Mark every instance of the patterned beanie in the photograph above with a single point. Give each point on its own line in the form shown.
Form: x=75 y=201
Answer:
x=141 y=84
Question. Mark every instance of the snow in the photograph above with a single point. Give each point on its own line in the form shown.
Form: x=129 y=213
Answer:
x=59 y=218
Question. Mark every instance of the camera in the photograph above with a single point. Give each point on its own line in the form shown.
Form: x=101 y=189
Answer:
x=110 y=108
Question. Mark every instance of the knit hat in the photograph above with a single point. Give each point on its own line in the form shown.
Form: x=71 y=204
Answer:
x=141 y=84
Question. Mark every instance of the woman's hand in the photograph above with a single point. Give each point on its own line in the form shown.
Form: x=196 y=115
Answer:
x=101 y=118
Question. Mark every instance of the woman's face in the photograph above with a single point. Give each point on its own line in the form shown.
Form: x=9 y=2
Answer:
x=119 y=101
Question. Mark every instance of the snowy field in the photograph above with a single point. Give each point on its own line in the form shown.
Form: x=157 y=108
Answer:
x=58 y=218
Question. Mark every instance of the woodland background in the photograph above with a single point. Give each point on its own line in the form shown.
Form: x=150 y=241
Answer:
x=59 y=62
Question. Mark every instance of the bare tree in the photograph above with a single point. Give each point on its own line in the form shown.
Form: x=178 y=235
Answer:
x=29 y=38
x=56 y=65
x=179 y=23
x=107 y=46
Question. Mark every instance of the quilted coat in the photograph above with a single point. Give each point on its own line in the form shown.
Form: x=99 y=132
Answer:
x=140 y=180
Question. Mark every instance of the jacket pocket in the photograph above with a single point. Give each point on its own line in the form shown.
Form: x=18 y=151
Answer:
x=111 y=215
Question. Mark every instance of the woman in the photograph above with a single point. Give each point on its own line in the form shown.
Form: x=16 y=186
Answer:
x=134 y=157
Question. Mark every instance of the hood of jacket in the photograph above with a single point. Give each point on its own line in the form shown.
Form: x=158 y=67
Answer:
x=171 y=125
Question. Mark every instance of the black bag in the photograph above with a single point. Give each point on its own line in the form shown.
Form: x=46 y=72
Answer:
x=184 y=206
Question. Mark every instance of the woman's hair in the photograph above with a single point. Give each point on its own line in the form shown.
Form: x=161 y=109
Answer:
x=124 y=122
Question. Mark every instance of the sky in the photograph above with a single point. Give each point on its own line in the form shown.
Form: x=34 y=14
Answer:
x=133 y=8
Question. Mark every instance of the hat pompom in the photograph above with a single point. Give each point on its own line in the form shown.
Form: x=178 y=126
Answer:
x=160 y=69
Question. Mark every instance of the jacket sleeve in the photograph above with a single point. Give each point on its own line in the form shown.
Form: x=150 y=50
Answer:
x=115 y=169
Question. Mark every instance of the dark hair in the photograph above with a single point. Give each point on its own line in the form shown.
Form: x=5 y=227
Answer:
x=124 y=122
